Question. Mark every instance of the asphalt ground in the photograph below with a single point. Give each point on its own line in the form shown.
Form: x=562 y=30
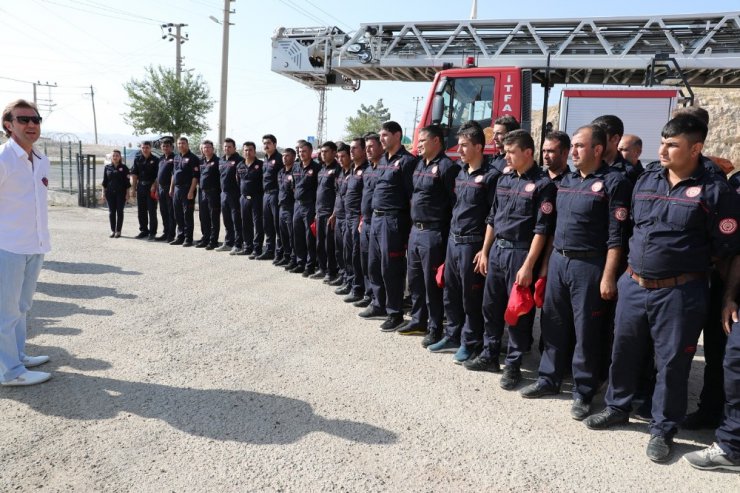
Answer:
x=178 y=369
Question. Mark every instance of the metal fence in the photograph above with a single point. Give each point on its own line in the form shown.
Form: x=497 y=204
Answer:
x=74 y=172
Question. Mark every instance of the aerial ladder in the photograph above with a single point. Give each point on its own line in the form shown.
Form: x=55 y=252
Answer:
x=685 y=51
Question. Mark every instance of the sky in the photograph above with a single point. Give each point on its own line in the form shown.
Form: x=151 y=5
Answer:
x=75 y=44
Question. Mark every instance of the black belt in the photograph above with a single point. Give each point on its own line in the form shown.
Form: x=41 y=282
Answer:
x=581 y=253
x=516 y=245
x=388 y=212
x=305 y=202
x=434 y=225
x=466 y=239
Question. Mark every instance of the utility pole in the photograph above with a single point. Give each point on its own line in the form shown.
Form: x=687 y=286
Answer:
x=44 y=102
x=416 y=111
x=95 y=118
x=179 y=39
x=224 y=69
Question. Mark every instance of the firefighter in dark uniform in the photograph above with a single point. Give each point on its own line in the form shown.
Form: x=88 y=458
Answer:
x=144 y=177
x=325 y=197
x=286 y=202
x=590 y=234
x=230 y=207
x=684 y=219
x=185 y=174
x=210 y=198
x=305 y=180
x=374 y=153
x=475 y=187
x=338 y=218
x=389 y=231
x=431 y=209
x=270 y=209
x=630 y=147
x=502 y=126
x=725 y=452
x=249 y=173
x=614 y=128
x=115 y=191
x=555 y=152
x=164 y=180
x=353 y=212
x=521 y=221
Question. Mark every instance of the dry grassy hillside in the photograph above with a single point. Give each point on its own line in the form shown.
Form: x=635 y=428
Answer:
x=724 y=128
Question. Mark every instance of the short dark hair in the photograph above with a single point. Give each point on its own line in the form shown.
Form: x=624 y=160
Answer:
x=694 y=129
x=183 y=139
x=269 y=137
x=611 y=124
x=305 y=143
x=434 y=131
x=146 y=143
x=18 y=103
x=229 y=140
x=208 y=142
x=472 y=131
x=331 y=145
x=299 y=143
x=392 y=127
x=289 y=150
x=598 y=134
x=372 y=136
x=695 y=111
x=360 y=141
x=507 y=121
x=343 y=148
x=561 y=137
x=249 y=143
x=520 y=138
x=167 y=140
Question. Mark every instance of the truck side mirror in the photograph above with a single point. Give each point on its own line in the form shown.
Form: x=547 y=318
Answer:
x=437 y=109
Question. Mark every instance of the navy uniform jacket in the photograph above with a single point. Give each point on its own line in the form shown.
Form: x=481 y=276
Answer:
x=707 y=163
x=145 y=168
x=434 y=190
x=326 y=193
x=341 y=184
x=734 y=182
x=306 y=179
x=626 y=168
x=272 y=166
x=395 y=181
x=523 y=206
x=474 y=195
x=681 y=229
x=164 y=173
x=355 y=187
x=593 y=212
x=250 y=178
x=209 y=174
x=185 y=168
x=558 y=178
x=115 y=178
x=498 y=161
x=369 y=178
x=285 y=188
x=227 y=173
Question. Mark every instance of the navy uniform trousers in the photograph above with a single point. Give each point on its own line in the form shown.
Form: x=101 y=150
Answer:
x=286 y=232
x=116 y=200
x=147 y=209
x=365 y=259
x=209 y=212
x=672 y=318
x=387 y=260
x=270 y=214
x=353 y=256
x=728 y=434
x=573 y=308
x=339 y=226
x=167 y=211
x=463 y=293
x=184 y=213
x=304 y=242
x=325 y=249
x=426 y=252
x=503 y=264
x=252 y=222
x=232 y=214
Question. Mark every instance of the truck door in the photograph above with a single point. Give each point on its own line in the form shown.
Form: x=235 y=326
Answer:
x=463 y=99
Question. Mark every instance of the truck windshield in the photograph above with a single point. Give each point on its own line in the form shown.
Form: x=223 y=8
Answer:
x=466 y=99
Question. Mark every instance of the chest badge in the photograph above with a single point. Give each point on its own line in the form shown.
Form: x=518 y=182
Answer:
x=693 y=191
x=434 y=170
x=45 y=181
x=597 y=186
x=529 y=187
x=479 y=178
x=359 y=172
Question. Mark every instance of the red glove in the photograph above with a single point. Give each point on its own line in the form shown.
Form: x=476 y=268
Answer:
x=153 y=195
x=539 y=292
x=440 y=277
x=313 y=228
x=520 y=303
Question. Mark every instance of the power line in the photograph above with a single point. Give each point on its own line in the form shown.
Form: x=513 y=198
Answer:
x=330 y=15
x=111 y=12
x=303 y=11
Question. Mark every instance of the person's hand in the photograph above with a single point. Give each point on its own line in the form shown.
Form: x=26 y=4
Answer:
x=524 y=276
x=729 y=316
x=359 y=226
x=480 y=263
x=191 y=195
x=332 y=221
x=608 y=289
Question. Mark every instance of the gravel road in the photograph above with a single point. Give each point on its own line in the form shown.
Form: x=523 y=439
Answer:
x=177 y=369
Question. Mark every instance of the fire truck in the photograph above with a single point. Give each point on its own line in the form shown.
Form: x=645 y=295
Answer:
x=482 y=69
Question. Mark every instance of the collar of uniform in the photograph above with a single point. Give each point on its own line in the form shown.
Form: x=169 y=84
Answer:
x=307 y=165
x=695 y=176
x=531 y=174
x=233 y=157
x=398 y=154
x=362 y=165
x=168 y=156
x=214 y=158
x=483 y=168
x=602 y=170
x=708 y=163
x=333 y=165
x=435 y=159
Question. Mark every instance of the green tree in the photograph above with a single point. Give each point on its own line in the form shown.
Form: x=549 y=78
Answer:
x=368 y=119
x=158 y=103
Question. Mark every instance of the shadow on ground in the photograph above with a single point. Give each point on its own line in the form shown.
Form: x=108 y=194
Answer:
x=80 y=291
x=86 y=268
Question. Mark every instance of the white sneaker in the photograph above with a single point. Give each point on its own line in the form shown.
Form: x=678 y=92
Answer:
x=711 y=458
x=27 y=378
x=31 y=361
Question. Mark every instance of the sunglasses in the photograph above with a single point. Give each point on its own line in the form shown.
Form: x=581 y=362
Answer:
x=26 y=119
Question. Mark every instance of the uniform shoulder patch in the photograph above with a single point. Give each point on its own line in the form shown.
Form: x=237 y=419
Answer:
x=546 y=207
x=621 y=213
x=728 y=226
